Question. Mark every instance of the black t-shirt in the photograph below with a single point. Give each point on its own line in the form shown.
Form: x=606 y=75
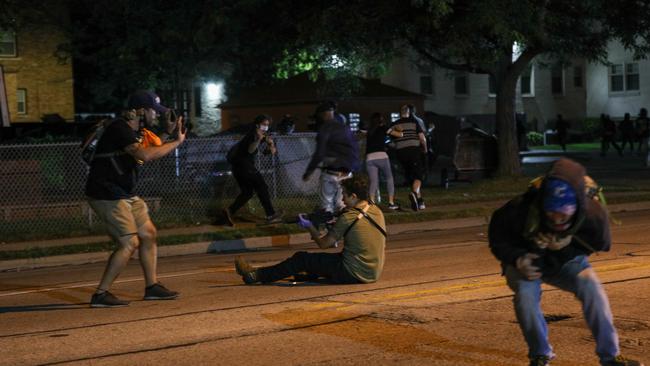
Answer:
x=113 y=178
x=241 y=159
x=376 y=140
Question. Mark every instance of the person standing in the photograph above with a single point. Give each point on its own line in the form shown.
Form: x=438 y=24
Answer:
x=545 y=236
x=562 y=129
x=409 y=144
x=110 y=191
x=608 y=135
x=362 y=227
x=627 y=132
x=377 y=159
x=337 y=154
x=643 y=131
x=242 y=160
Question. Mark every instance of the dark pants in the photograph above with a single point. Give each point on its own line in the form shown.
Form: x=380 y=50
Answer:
x=604 y=145
x=251 y=182
x=328 y=265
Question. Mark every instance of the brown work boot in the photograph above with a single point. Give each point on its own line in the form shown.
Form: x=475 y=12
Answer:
x=246 y=271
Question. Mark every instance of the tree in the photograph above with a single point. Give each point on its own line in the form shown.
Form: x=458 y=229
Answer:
x=495 y=37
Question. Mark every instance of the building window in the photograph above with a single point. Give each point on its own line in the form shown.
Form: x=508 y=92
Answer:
x=577 y=77
x=7 y=44
x=624 y=77
x=21 y=97
x=492 y=86
x=557 y=80
x=632 y=76
x=527 y=82
x=426 y=84
x=353 y=121
x=461 y=82
x=394 y=117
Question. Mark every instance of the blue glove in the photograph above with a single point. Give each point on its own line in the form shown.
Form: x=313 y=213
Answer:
x=303 y=221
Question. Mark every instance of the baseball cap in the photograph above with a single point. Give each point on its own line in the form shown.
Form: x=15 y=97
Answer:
x=146 y=99
x=559 y=196
x=325 y=106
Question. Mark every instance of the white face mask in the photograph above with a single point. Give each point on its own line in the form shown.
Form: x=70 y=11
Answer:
x=264 y=128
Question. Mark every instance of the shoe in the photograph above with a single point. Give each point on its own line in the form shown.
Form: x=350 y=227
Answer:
x=159 y=292
x=275 y=218
x=421 y=205
x=228 y=217
x=393 y=206
x=540 y=361
x=246 y=271
x=622 y=361
x=106 y=300
x=414 y=201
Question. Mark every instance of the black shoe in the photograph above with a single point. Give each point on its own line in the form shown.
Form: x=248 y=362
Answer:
x=276 y=218
x=246 y=271
x=421 y=205
x=228 y=217
x=414 y=201
x=106 y=300
x=393 y=206
x=159 y=292
x=540 y=361
x=622 y=361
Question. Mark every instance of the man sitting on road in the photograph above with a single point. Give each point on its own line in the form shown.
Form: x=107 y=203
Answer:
x=545 y=236
x=363 y=228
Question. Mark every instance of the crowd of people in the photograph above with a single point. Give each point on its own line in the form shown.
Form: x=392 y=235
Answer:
x=542 y=236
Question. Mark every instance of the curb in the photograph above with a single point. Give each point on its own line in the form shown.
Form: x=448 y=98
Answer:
x=264 y=242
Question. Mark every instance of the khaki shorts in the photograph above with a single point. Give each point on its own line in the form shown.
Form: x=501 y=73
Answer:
x=122 y=217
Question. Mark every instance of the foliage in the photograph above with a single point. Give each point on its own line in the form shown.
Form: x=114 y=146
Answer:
x=535 y=138
x=592 y=127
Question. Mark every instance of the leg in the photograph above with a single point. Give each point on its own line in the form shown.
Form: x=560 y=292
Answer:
x=262 y=191
x=329 y=265
x=330 y=195
x=148 y=252
x=118 y=260
x=578 y=277
x=373 y=178
x=384 y=166
x=246 y=190
x=531 y=320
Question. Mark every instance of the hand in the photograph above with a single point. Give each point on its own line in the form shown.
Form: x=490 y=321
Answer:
x=181 y=131
x=171 y=121
x=526 y=268
x=304 y=222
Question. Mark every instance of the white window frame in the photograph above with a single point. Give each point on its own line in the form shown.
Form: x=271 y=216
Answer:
x=354 y=120
x=624 y=74
x=464 y=75
x=491 y=94
x=21 y=101
x=7 y=36
x=562 y=80
x=394 y=117
x=531 y=82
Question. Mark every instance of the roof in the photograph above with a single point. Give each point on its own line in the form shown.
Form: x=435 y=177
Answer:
x=301 y=89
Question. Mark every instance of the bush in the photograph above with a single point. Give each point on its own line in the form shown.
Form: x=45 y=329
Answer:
x=535 y=138
x=591 y=127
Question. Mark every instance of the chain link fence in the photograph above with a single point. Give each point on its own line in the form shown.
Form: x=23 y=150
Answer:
x=42 y=185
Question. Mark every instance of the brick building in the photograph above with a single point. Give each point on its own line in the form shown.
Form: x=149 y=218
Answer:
x=35 y=84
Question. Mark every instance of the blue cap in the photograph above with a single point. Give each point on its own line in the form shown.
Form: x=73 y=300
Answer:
x=559 y=196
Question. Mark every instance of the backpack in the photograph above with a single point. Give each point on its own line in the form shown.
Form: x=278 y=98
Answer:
x=89 y=143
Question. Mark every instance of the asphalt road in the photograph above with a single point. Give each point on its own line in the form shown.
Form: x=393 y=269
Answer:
x=441 y=301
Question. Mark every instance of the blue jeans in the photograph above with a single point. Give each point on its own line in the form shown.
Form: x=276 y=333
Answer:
x=331 y=193
x=575 y=276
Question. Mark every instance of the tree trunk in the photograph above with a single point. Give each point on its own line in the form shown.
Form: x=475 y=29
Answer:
x=508 y=148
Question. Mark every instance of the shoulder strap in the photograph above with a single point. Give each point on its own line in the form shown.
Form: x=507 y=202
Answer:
x=363 y=213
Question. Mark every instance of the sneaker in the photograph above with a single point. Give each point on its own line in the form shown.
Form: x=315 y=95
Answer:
x=275 y=218
x=622 y=361
x=159 y=292
x=393 y=206
x=540 y=361
x=106 y=300
x=228 y=217
x=421 y=205
x=246 y=271
x=414 y=201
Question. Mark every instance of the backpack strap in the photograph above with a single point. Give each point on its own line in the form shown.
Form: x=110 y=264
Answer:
x=363 y=213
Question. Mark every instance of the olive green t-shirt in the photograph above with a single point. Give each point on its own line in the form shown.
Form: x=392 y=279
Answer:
x=363 y=251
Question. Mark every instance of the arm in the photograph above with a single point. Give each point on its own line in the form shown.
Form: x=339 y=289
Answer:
x=319 y=154
x=423 y=141
x=156 y=152
x=501 y=238
x=326 y=241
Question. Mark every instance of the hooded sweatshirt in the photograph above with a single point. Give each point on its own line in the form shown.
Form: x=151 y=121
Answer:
x=514 y=226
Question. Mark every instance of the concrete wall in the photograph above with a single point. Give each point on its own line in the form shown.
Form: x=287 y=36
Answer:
x=600 y=100
x=48 y=81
